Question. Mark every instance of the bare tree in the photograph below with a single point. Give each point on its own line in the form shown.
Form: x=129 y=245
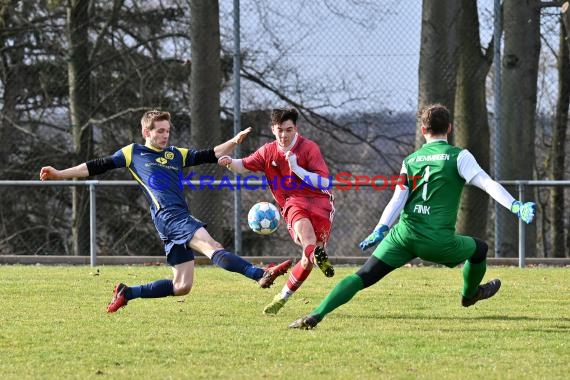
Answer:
x=558 y=148
x=79 y=77
x=10 y=64
x=205 y=84
x=438 y=54
x=565 y=13
x=136 y=61
x=521 y=22
x=471 y=124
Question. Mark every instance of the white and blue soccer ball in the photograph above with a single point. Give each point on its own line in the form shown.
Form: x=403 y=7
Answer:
x=263 y=218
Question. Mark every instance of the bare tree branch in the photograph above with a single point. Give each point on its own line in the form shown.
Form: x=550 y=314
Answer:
x=117 y=5
x=117 y=115
x=316 y=119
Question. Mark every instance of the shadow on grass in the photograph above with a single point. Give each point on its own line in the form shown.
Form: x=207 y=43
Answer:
x=418 y=317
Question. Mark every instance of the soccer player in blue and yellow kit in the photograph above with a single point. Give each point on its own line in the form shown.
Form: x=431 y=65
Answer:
x=427 y=206
x=157 y=167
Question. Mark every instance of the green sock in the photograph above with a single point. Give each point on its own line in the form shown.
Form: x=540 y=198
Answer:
x=341 y=294
x=472 y=276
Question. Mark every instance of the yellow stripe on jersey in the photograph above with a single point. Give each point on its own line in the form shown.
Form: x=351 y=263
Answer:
x=184 y=153
x=154 y=200
x=128 y=153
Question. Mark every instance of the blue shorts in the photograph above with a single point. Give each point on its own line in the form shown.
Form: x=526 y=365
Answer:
x=179 y=254
x=176 y=229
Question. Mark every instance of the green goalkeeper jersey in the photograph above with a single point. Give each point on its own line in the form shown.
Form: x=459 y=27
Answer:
x=435 y=188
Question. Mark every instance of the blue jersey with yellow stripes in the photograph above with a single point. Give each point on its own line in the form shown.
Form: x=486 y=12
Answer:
x=158 y=172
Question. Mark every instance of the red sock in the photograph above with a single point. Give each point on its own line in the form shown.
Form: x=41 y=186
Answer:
x=297 y=277
x=308 y=252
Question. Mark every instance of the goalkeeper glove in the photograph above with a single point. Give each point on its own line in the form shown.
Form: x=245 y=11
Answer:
x=525 y=211
x=375 y=237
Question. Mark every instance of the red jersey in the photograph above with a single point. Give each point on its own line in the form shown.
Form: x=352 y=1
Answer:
x=287 y=188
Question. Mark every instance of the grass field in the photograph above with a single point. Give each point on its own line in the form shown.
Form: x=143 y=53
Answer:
x=409 y=326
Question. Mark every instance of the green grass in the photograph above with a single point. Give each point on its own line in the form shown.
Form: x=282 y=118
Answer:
x=53 y=324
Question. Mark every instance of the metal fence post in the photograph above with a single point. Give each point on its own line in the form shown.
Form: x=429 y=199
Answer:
x=92 y=223
x=522 y=239
x=237 y=126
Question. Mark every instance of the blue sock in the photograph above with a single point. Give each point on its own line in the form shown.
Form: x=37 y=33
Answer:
x=233 y=263
x=156 y=289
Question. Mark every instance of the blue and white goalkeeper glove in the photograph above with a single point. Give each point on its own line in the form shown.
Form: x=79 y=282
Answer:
x=525 y=211
x=375 y=237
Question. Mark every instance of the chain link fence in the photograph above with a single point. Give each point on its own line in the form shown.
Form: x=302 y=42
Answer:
x=350 y=67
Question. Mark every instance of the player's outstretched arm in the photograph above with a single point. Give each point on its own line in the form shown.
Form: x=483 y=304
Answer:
x=470 y=170
x=389 y=216
x=524 y=211
x=235 y=165
x=48 y=173
x=228 y=147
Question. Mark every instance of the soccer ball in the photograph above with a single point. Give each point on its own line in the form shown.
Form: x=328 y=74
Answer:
x=263 y=218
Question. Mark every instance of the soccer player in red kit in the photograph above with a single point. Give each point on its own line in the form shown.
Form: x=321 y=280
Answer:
x=299 y=180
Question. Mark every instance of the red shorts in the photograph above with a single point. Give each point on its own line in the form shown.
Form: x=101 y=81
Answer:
x=322 y=225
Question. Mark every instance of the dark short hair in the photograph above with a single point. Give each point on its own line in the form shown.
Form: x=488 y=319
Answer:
x=435 y=117
x=281 y=115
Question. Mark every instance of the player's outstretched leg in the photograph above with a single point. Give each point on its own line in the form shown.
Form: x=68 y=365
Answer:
x=485 y=291
x=296 y=278
x=323 y=262
x=123 y=293
x=274 y=306
x=305 y=323
x=271 y=272
x=119 y=298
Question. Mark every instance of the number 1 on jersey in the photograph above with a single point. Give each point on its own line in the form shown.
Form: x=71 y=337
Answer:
x=425 y=184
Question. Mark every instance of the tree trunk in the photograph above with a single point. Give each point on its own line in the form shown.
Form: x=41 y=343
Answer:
x=205 y=85
x=79 y=105
x=521 y=20
x=565 y=14
x=438 y=55
x=557 y=152
x=471 y=124
x=12 y=58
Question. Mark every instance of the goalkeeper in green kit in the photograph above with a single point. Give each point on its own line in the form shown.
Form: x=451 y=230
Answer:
x=427 y=206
